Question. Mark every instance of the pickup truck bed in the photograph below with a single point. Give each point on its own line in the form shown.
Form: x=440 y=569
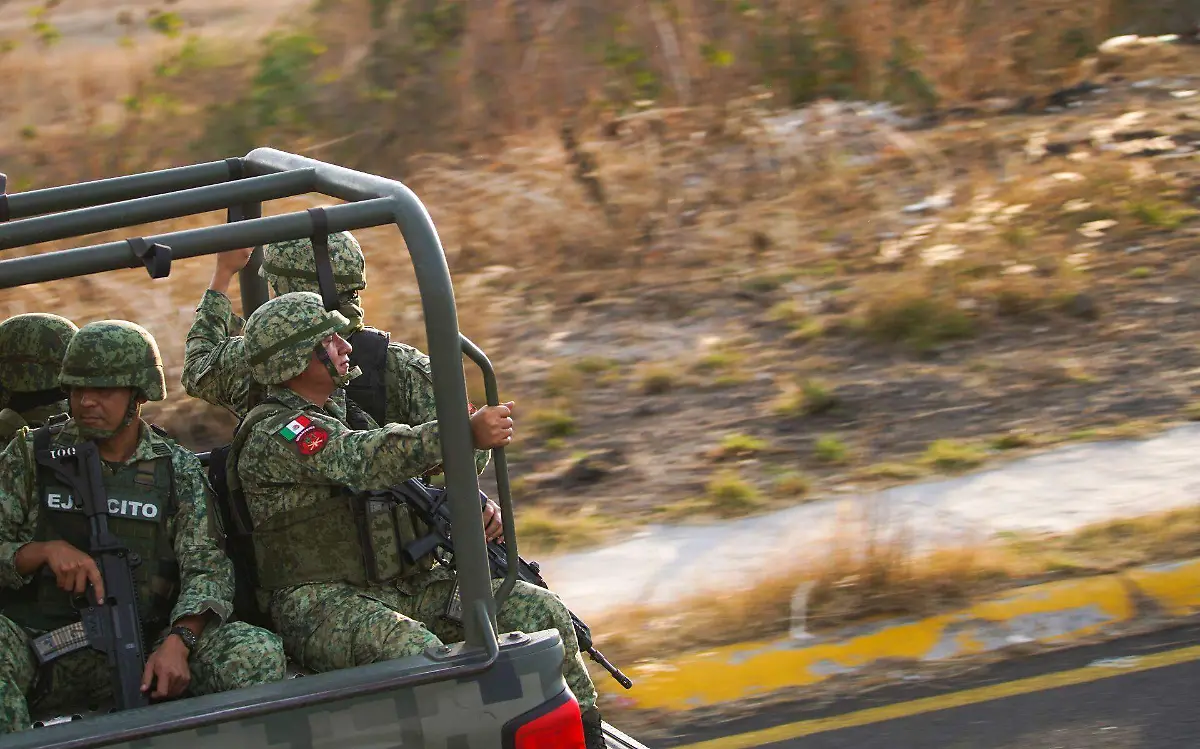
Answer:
x=410 y=702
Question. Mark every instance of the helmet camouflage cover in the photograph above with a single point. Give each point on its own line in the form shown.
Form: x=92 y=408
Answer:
x=281 y=334
x=32 y=347
x=289 y=266
x=114 y=353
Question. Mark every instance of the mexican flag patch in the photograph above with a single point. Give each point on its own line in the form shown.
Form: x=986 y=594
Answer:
x=294 y=427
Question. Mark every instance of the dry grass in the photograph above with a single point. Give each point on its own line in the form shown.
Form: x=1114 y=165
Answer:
x=497 y=70
x=657 y=378
x=1128 y=430
x=727 y=494
x=1108 y=546
x=655 y=200
x=549 y=423
x=870 y=568
x=830 y=449
x=907 y=310
x=792 y=485
x=807 y=397
x=477 y=75
x=1015 y=439
x=542 y=530
x=866 y=568
x=620 y=196
x=738 y=445
x=564 y=379
x=893 y=471
x=951 y=456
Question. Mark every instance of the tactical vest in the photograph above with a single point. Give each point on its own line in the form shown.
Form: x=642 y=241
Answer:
x=369 y=390
x=141 y=503
x=348 y=537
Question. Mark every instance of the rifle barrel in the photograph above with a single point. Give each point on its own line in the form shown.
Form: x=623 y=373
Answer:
x=621 y=678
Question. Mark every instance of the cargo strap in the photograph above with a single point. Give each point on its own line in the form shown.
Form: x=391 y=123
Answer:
x=320 y=243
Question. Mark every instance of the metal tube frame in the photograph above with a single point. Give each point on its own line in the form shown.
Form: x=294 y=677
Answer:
x=98 y=192
x=153 y=208
x=374 y=201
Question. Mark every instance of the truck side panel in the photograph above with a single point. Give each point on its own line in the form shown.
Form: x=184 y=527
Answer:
x=463 y=713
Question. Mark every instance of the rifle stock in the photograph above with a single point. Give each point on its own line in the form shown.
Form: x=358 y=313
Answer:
x=436 y=514
x=112 y=626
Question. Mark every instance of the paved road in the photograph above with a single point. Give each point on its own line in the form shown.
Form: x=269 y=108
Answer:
x=1139 y=693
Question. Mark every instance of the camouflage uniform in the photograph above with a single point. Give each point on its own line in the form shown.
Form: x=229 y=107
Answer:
x=228 y=655
x=294 y=467
x=215 y=368
x=31 y=351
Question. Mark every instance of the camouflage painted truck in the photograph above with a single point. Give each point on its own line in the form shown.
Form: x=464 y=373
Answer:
x=502 y=690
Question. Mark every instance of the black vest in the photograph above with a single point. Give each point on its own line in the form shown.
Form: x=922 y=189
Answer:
x=368 y=391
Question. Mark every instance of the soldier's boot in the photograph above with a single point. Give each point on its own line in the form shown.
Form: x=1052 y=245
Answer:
x=593 y=732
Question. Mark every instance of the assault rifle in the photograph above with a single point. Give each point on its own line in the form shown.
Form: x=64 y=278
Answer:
x=430 y=505
x=112 y=626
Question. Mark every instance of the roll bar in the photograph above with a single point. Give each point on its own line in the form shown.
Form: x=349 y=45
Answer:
x=240 y=185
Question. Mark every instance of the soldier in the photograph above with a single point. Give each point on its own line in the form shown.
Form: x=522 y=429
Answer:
x=185 y=581
x=295 y=457
x=31 y=351
x=396 y=384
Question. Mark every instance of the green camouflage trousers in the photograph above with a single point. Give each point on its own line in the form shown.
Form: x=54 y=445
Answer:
x=331 y=626
x=229 y=656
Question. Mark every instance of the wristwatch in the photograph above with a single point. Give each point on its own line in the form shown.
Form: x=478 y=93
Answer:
x=188 y=636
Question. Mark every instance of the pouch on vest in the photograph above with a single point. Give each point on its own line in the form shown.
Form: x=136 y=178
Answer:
x=385 y=527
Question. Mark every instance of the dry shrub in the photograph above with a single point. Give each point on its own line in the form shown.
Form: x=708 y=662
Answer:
x=869 y=566
x=1116 y=544
x=105 y=97
x=522 y=207
x=491 y=69
x=874 y=567
x=907 y=308
x=541 y=530
x=703 y=182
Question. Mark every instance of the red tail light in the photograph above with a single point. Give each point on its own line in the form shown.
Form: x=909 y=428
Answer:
x=555 y=725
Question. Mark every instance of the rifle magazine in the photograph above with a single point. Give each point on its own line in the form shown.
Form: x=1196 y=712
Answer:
x=59 y=642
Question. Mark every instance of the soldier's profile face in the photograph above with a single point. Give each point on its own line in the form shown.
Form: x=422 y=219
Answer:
x=100 y=408
x=338 y=350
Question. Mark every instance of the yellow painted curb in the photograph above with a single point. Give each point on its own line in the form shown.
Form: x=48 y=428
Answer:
x=1174 y=587
x=1051 y=613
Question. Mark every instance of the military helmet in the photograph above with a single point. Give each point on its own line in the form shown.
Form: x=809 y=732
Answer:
x=31 y=351
x=114 y=353
x=289 y=266
x=280 y=335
